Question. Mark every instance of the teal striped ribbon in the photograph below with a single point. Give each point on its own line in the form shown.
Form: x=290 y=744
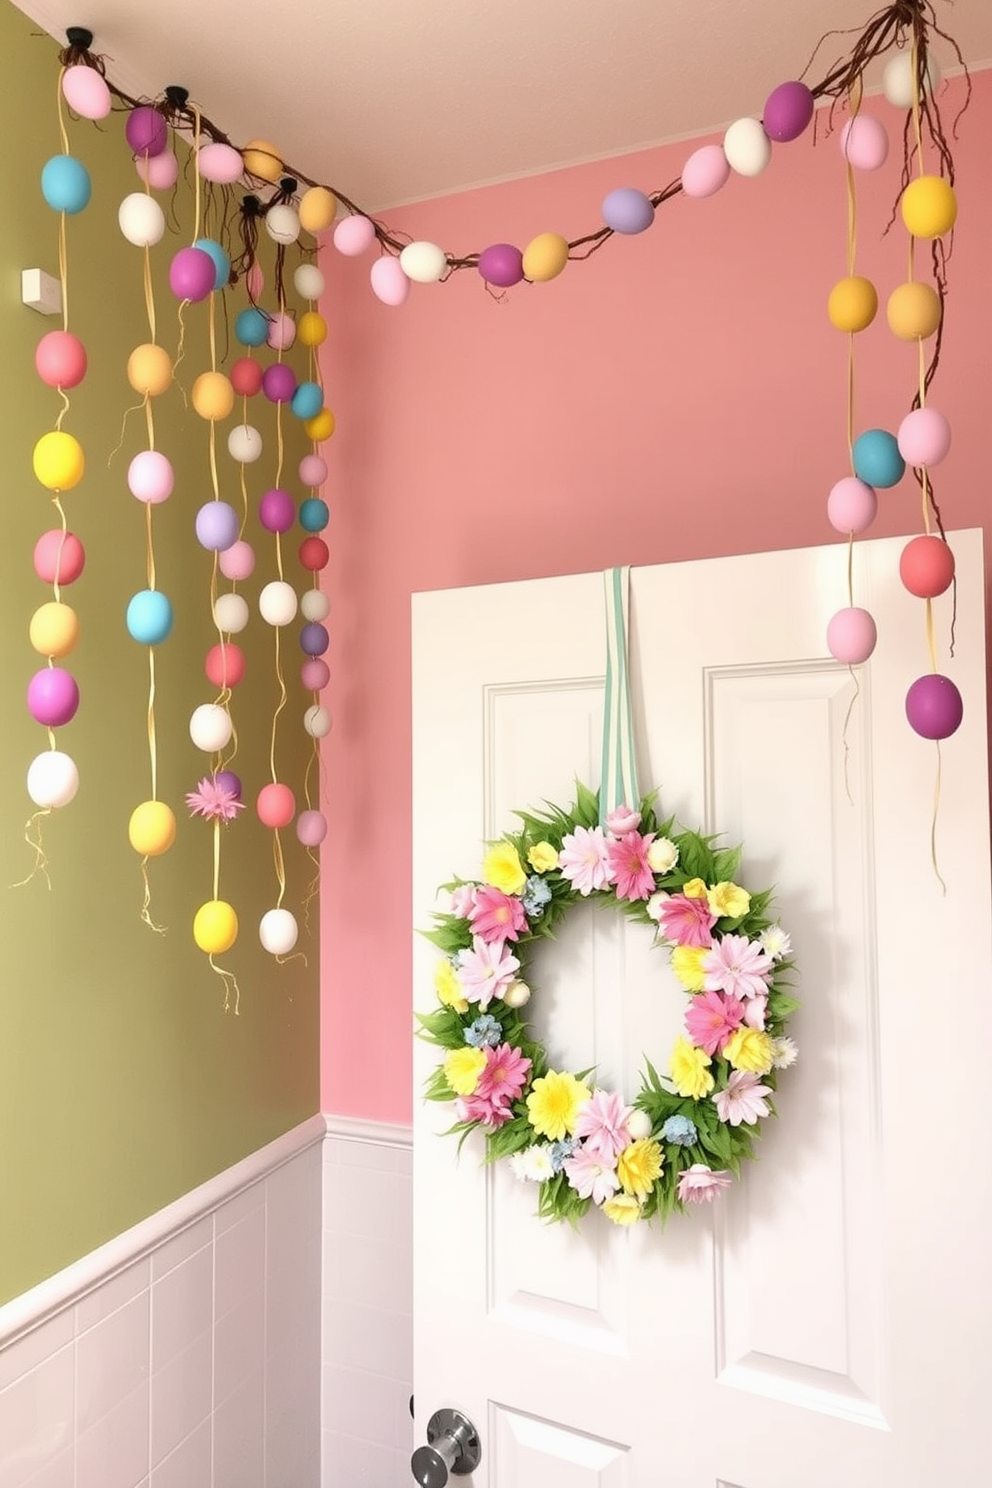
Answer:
x=618 y=780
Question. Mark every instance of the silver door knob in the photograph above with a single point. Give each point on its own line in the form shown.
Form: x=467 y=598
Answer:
x=452 y=1446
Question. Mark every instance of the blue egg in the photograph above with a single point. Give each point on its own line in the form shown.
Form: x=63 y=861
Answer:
x=149 y=617
x=314 y=514
x=65 y=184
x=877 y=459
x=308 y=400
x=222 y=261
x=627 y=210
x=251 y=327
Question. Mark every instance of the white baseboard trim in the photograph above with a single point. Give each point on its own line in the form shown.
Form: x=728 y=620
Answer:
x=57 y=1292
x=357 y=1129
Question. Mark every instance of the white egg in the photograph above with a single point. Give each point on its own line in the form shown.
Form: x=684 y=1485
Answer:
x=897 y=78
x=315 y=605
x=244 y=444
x=308 y=281
x=747 y=147
x=277 y=603
x=52 y=779
x=278 y=931
x=282 y=223
x=317 y=722
x=210 y=727
x=423 y=262
x=230 y=613
x=141 y=219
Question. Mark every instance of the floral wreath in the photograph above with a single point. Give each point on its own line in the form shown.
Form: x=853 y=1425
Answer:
x=684 y=1137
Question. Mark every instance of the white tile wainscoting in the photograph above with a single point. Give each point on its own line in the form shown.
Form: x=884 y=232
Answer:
x=206 y=1347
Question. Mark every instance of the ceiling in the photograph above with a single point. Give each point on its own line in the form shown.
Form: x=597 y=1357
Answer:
x=397 y=100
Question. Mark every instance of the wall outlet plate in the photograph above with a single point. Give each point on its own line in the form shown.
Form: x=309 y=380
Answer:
x=41 y=292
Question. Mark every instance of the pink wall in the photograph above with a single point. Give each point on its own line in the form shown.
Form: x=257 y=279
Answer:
x=680 y=395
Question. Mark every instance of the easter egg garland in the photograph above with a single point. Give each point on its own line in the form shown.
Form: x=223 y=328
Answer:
x=682 y=1138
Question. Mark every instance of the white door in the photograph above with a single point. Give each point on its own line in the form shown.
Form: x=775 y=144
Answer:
x=826 y=1323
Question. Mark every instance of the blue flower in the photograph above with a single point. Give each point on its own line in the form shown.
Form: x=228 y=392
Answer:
x=485 y=1033
x=680 y=1130
x=535 y=896
x=559 y=1151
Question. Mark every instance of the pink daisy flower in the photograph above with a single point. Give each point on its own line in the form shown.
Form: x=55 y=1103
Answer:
x=686 y=921
x=711 y=1018
x=583 y=859
x=700 y=1184
x=603 y=1122
x=737 y=966
x=756 y=1010
x=485 y=970
x=504 y=1076
x=743 y=1099
x=213 y=801
x=591 y=1174
x=630 y=870
x=495 y=915
x=475 y=1108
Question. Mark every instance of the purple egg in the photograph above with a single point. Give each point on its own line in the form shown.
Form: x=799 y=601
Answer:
x=53 y=697
x=934 y=707
x=146 y=131
x=627 y=210
x=277 y=510
x=788 y=110
x=227 y=780
x=217 y=526
x=314 y=638
x=192 y=274
x=311 y=828
x=279 y=383
x=315 y=673
x=502 y=265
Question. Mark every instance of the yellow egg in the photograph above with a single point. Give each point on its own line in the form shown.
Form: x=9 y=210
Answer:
x=852 y=304
x=262 y=159
x=317 y=209
x=321 y=426
x=54 y=629
x=152 y=828
x=212 y=395
x=913 y=311
x=311 y=329
x=545 y=257
x=215 y=927
x=929 y=207
x=59 y=461
x=149 y=370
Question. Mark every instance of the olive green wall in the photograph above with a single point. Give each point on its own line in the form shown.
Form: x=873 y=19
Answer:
x=122 y=1081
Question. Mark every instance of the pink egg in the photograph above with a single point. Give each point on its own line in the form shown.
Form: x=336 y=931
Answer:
x=353 y=235
x=864 y=142
x=59 y=557
x=851 y=505
x=150 y=476
x=282 y=331
x=238 y=561
x=255 y=282
x=311 y=828
x=60 y=358
x=220 y=163
x=224 y=664
x=276 y=805
x=924 y=437
x=706 y=170
x=246 y=377
x=389 y=283
x=851 y=636
x=315 y=673
x=86 y=91
x=313 y=470
x=160 y=171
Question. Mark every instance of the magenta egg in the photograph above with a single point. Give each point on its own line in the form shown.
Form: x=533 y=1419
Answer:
x=788 y=110
x=60 y=358
x=851 y=636
x=53 y=697
x=192 y=274
x=313 y=470
x=924 y=437
x=59 y=557
x=279 y=383
x=706 y=170
x=315 y=673
x=311 y=828
x=277 y=511
x=502 y=265
x=852 y=505
x=934 y=707
x=146 y=131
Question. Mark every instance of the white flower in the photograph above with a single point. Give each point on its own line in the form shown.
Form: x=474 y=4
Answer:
x=654 y=905
x=516 y=994
x=775 y=942
x=533 y=1164
x=784 y=1052
x=638 y=1124
x=662 y=855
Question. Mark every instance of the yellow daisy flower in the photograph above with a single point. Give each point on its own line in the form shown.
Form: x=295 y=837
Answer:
x=449 y=988
x=728 y=900
x=687 y=964
x=689 y=1069
x=462 y=1068
x=502 y=868
x=750 y=1049
x=694 y=889
x=623 y=1209
x=554 y=1103
x=638 y=1166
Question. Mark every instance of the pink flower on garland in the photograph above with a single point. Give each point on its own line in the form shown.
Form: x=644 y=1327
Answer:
x=583 y=859
x=737 y=966
x=756 y=1010
x=591 y=1174
x=495 y=915
x=686 y=922
x=700 y=1184
x=213 y=801
x=711 y=1018
x=743 y=1099
x=603 y=1122
x=462 y=900
x=485 y=970
x=623 y=819
x=504 y=1076
x=474 y=1108
x=630 y=870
